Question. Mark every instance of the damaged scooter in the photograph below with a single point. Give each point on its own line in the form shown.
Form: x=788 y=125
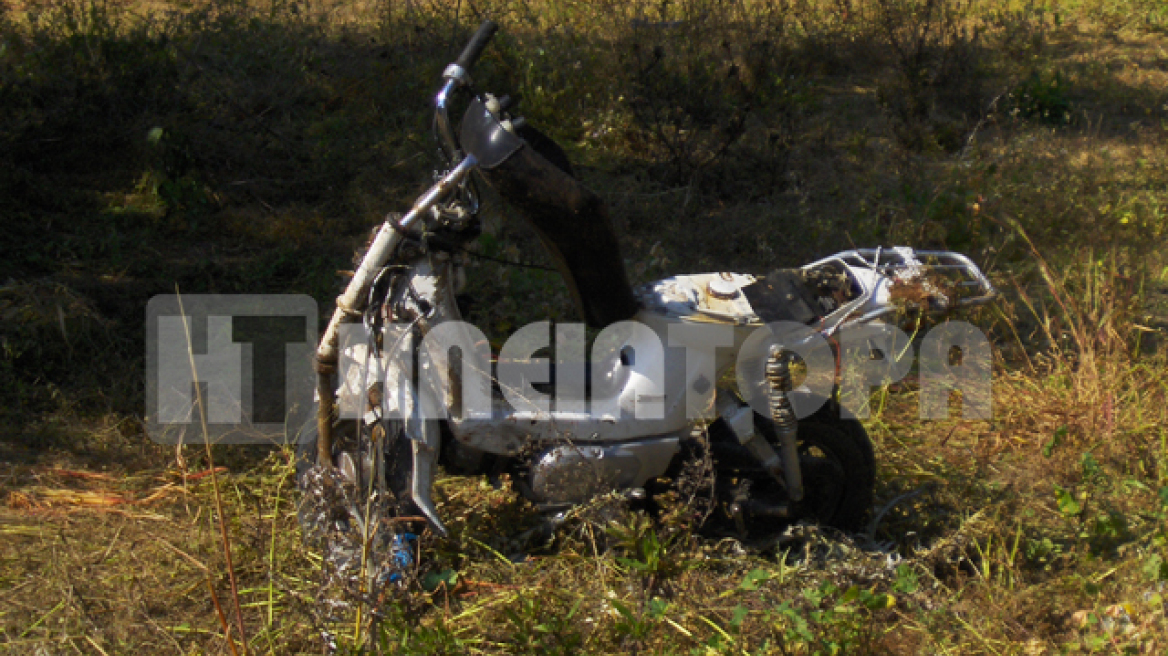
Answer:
x=693 y=367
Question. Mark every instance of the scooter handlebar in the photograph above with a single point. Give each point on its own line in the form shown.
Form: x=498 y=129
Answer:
x=477 y=44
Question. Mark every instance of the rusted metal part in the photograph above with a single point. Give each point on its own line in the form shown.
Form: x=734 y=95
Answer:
x=927 y=282
x=923 y=292
x=325 y=410
x=778 y=374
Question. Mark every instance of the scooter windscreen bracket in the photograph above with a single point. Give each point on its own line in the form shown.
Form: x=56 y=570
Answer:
x=486 y=137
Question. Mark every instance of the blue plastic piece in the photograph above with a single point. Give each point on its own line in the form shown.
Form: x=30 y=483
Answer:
x=401 y=555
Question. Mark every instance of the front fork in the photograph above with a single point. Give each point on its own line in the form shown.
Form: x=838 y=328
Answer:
x=425 y=438
x=430 y=281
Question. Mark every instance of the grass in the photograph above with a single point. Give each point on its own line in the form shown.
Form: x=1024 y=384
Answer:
x=239 y=147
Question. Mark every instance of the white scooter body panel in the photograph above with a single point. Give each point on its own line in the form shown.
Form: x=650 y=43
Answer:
x=641 y=409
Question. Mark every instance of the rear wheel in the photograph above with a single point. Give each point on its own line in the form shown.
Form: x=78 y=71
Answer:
x=838 y=474
x=838 y=469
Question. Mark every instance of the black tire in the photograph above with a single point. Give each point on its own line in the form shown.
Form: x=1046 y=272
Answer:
x=829 y=414
x=839 y=474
